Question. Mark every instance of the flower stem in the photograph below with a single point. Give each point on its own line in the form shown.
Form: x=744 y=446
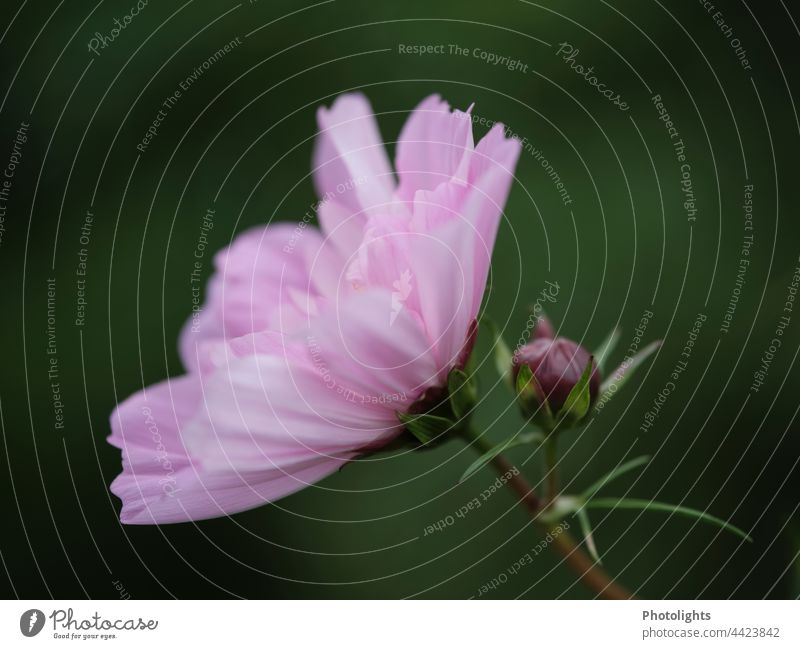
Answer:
x=587 y=570
x=551 y=466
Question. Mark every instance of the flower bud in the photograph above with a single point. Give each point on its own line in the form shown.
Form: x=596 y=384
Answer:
x=544 y=328
x=557 y=366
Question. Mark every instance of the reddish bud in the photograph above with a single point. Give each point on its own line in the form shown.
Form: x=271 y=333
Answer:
x=557 y=365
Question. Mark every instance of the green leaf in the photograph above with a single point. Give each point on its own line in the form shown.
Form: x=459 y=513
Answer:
x=463 y=393
x=606 y=348
x=503 y=358
x=630 y=503
x=511 y=442
x=614 y=474
x=577 y=403
x=426 y=428
x=586 y=529
x=624 y=372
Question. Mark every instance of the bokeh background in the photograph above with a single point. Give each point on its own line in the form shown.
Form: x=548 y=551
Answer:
x=240 y=139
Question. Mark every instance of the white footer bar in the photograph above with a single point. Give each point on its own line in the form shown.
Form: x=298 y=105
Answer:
x=405 y=624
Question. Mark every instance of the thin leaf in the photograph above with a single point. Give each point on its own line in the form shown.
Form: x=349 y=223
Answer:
x=607 y=347
x=630 y=465
x=511 y=442
x=577 y=403
x=629 y=503
x=426 y=428
x=623 y=372
x=586 y=529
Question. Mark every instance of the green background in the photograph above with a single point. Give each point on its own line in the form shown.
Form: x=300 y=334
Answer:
x=244 y=131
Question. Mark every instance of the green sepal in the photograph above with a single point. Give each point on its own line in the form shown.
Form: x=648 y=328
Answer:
x=579 y=399
x=526 y=384
x=532 y=398
x=426 y=428
x=463 y=391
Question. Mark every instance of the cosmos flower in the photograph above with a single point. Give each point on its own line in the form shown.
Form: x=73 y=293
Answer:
x=311 y=341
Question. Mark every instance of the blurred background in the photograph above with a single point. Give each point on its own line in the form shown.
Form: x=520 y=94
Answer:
x=632 y=229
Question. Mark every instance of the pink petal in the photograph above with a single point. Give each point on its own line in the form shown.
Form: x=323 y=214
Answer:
x=490 y=176
x=344 y=228
x=379 y=344
x=445 y=249
x=433 y=145
x=478 y=204
x=445 y=256
x=269 y=400
x=261 y=412
x=429 y=275
x=162 y=482
x=350 y=162
x=269 y=277
x=495 y=152
x=211 y=495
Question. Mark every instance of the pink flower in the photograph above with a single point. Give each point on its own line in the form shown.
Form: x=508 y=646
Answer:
x=311 y=341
